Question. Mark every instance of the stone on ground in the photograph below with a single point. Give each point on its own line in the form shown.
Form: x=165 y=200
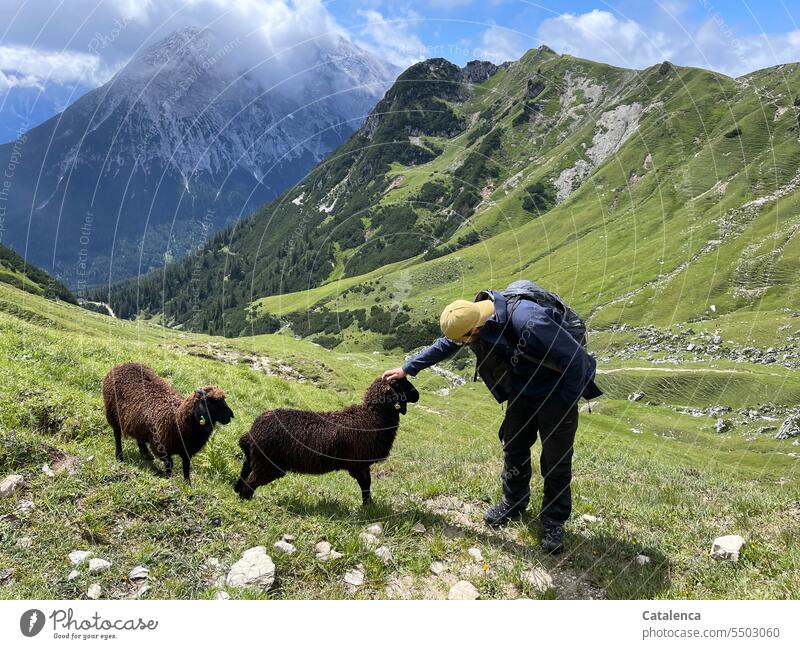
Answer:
x=376 y=529
x=642 y=559
x=588 y=518
x=537 y=579
x=419 y=528
x=368 y=540
x=727 y=547
x=384 y=553
x=325 y=552
x=10 y=484
x=284 y=546
x=73 y=574
x=437 y=568
x=254 y=569
x=222 y=595
x=98 y=565
x=77 y=557
x=354 y=577
x=139 y=572
x=476 y=554
x=94 y=592
x=463 y=590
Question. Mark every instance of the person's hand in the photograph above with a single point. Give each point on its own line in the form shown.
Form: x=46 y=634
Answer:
x=394 y=374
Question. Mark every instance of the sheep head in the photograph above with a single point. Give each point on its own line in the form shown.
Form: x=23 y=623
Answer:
x=210 y=407
x=395 y=394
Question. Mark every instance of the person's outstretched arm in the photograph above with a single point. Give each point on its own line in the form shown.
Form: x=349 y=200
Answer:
x=441 y=348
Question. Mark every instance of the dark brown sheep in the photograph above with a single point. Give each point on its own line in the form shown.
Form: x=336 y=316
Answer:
x=349 y=440
x=142 y=405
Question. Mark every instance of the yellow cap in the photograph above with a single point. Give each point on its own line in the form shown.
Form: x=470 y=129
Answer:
x=461 y=316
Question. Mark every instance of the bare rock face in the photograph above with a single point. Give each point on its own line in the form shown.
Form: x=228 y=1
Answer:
x=478 y=71
x=254 y=569
x=463 y=590
x=534 y=89
x=727 y=547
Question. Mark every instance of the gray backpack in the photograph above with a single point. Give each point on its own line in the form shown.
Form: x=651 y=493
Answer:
x=524 y=289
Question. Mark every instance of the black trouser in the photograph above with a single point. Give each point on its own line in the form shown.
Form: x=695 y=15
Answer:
x=556 y=422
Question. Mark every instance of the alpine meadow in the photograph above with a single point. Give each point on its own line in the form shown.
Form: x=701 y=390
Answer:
x=662 y=204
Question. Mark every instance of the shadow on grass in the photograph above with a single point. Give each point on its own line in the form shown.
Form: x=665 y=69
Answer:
x=594 y=565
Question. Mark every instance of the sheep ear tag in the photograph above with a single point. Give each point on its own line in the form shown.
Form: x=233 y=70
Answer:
x=397 y=406
x=202 y=420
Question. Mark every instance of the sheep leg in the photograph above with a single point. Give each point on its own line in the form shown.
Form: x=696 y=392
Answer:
x=239 y=484
x=146 y=454
x=364 y=479
x=186 y=463
x=118 y=442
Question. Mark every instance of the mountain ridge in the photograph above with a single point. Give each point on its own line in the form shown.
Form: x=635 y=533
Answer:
x=550 y=160
x=176 y=145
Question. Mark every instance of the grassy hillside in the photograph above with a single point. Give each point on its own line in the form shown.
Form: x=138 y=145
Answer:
x=660 y=479
x=16 y=272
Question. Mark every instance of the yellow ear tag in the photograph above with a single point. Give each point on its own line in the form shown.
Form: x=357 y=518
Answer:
x=202 y=421
x=397 y=406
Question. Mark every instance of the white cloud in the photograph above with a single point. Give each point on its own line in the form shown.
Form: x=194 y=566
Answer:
x=604 y=36
x=86 y=40
x=25 y=66
x=499 y=44
x=394 y=38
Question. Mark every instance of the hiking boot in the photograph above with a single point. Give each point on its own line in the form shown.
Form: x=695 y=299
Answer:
x=501 y=513
x=553 y=539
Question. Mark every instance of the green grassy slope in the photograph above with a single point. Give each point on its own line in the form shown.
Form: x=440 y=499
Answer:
x=16 y=272
x=662 y=482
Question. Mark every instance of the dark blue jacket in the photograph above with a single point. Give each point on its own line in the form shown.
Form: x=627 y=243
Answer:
x=533 y=330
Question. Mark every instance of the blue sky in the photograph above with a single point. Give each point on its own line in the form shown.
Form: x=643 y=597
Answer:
x=51 y=51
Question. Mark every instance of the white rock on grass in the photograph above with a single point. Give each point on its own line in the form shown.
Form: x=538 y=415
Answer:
x=476 y=554
x=94 y=592
x=77 y=557
x=642 y=559
x=437 y=568
x=222 y=595
x=588 y=518
x=727 y=547
x=376 y=529
x=25 y=506
x=537 y=579
x=463 y=590
x=384 y=553
x=97 y=566
x=139 y=572
x=254 y=569
x=289 y=538
x=368 y=540
x=324 y=551
x=354 y=578
x=284 y=546
x=73 y=574
x=419 y=528
x=10 y=484
x=48 y=471
x=25 y=542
